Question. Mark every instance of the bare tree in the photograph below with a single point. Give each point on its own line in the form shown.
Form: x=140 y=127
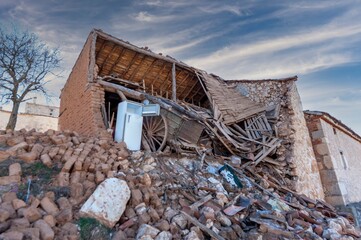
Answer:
x=25 y=61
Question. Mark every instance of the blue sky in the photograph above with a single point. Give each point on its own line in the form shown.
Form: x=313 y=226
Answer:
x=319 y=41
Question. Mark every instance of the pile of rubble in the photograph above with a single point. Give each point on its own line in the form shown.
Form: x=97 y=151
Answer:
x=141 y=195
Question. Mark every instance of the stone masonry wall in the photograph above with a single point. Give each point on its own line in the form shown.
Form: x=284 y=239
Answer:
x=81 y=100
x=339 y=174
x=296 y=147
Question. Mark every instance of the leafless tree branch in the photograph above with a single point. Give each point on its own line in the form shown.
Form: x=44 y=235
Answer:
x=25 y=61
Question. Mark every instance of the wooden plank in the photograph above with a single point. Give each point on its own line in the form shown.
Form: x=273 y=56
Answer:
x=106 y=59
x=117 y=61
x=195 y=222
x=174 y=84
x=276 y=144
x=137 y=68
x=239 y=129
x=149 y=67
x=199 y=203
x=159 y=73
x=267 y=123
x=219 y=137
x=130 y=64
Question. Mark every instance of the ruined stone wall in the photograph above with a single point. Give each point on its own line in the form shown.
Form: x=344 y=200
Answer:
x=340 y=173
x=296 y=147
x=81 y=99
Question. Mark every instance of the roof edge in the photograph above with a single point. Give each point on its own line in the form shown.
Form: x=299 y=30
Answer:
x=335 y=122
x=294 y=78
x=142 y=50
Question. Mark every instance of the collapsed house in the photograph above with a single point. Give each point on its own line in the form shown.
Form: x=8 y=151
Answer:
x=221 y=160
x=260 y=121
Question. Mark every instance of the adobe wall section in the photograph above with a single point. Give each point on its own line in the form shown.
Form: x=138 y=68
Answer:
x=340 y=172
x=81 y=98
x=291 y=126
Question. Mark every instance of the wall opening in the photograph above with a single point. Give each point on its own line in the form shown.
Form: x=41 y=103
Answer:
x=344 y=161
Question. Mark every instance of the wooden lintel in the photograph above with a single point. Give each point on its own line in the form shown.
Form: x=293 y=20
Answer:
x=125 y=82
x=126 y=91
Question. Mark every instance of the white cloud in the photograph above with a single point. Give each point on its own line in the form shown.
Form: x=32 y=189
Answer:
x=147 y=17
x=236 y=53
x=219 y=8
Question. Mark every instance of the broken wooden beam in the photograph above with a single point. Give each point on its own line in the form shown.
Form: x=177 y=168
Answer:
x=126 y=91
x=201 y=202
x=202 y=227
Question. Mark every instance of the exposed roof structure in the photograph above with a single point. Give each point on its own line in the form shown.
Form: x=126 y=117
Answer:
x=232 y=105
x=335 y=123
x=115 y=57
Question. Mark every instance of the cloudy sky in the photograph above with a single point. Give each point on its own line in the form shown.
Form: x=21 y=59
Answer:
x=319 y=41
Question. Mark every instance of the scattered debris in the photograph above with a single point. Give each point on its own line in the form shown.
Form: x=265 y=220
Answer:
x=170 y=196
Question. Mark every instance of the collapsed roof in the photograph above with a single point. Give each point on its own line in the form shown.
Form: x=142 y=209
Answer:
x=124 y=61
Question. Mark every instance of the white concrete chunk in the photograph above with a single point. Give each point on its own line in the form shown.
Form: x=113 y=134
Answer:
x=108 y=202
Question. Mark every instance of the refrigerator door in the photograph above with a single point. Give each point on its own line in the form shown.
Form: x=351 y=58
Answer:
x=133 y=131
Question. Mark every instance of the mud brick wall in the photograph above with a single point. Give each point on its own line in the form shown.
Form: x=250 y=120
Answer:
x=340 y=174
x=296 y=148
x=81 y=99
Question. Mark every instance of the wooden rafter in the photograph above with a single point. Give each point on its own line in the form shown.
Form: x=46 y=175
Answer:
x=100 y=49
x=196 y=92
x=190 y=90
x=150 y=66
x=159 y=73
x=184 y=79
x=165 y=80
x=181 y=94
x=170 y=84
x=137 y=68
x=106 y=59
x=130 y=64
x=116 y=62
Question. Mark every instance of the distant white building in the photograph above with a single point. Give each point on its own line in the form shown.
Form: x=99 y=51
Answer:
x=42 y=110
x=36 y=116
